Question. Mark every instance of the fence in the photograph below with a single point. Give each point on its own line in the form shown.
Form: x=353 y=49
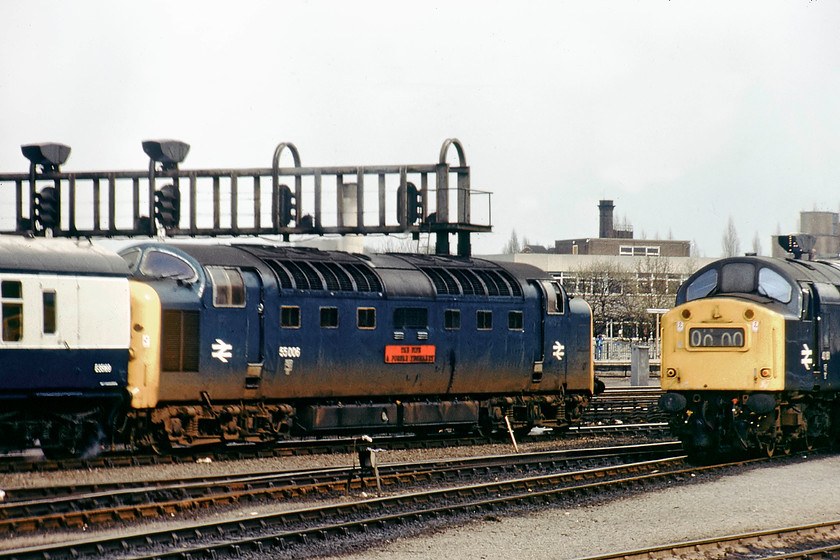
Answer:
x=618 y=349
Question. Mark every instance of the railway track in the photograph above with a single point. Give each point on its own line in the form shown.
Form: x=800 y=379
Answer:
x=68 y=507
x=628 y=410
x=312 y=526
x=815 y=540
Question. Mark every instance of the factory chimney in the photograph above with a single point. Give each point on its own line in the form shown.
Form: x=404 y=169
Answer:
x=606 y=230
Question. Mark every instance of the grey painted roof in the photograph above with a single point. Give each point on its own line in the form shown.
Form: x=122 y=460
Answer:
x=62 y=256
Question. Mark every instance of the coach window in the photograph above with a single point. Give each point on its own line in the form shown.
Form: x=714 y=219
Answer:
x=49 y=312
x=329 y=317
x=452 y=319
x=290 y=317
x=484 y=320
x=411 y=318
x=366 y=317
x=12 y=298
x=514 y=320
x=228 y=286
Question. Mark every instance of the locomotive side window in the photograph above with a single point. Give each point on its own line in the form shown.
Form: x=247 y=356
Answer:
x=702 y=285
x=366 y=317
x=329 y=317
x=774 y=286
x=290 y=317
x=411 y=318
x=228 y=287
x=12 y=296
x=484 y=320
x=160 y=264
x=514 y=320
x=452 y=319
x=49 y=312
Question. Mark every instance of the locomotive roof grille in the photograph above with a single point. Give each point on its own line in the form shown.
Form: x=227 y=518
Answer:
x=465 y=281
x=324 y=276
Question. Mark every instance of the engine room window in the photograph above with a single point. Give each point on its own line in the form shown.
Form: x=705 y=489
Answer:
x=49 y=312
x=773 y=285
x=160 y=264
x=12 y=296
x=228 y=286
x=702 y=285
x=452 y=319
x=411 y=318
x=366 y=318
x=514 y=320
x=290 y=317
x=484 y=320
x=329 y=317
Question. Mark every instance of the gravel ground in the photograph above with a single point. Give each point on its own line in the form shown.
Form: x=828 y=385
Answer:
x=761 y=498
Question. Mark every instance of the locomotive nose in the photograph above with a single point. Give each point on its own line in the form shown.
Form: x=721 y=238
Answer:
x=672 y=402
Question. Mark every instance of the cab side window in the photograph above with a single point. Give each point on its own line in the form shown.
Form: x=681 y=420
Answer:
x=554 y=297
x=228 y=286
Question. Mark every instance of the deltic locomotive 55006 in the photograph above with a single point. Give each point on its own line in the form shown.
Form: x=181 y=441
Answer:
x=188 y=343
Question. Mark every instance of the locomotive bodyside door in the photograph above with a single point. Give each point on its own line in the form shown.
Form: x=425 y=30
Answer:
x=553 y=337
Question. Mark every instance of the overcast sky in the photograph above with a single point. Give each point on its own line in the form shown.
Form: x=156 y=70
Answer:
x=684 y=113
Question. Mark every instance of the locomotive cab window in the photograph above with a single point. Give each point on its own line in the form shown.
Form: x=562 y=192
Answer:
x=514 y=320
x=702 y=285
x=329 y=317
x=290 y=317
x=228 y=286
x=366 y=317
x=773 y=285
x=12 y=298
x=554 y=297
x=484 y=320
x=452 y=319
x=160 y=264
x=411 y=318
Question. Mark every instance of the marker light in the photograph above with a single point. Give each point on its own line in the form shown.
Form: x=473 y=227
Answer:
x=765 y=372
x=671 y=372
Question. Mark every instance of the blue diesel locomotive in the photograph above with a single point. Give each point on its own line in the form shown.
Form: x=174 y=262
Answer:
x=750 y=354
x=195 y=343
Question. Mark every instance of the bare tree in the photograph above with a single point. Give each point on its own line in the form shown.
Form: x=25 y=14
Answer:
x=756 y=246
x=513 y=245
x=604 y=284
x=730 y=245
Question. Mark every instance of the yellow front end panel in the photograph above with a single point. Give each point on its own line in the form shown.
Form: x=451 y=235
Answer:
x=144 y=362
x=722 y=344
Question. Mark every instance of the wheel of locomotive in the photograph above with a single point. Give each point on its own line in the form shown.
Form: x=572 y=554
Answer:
x=768 y=447
x=69 y=439
x=154 y=440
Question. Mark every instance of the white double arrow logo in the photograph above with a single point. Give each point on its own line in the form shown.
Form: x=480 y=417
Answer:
x=807 y=361
x=559 y=350
x=222 y=350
